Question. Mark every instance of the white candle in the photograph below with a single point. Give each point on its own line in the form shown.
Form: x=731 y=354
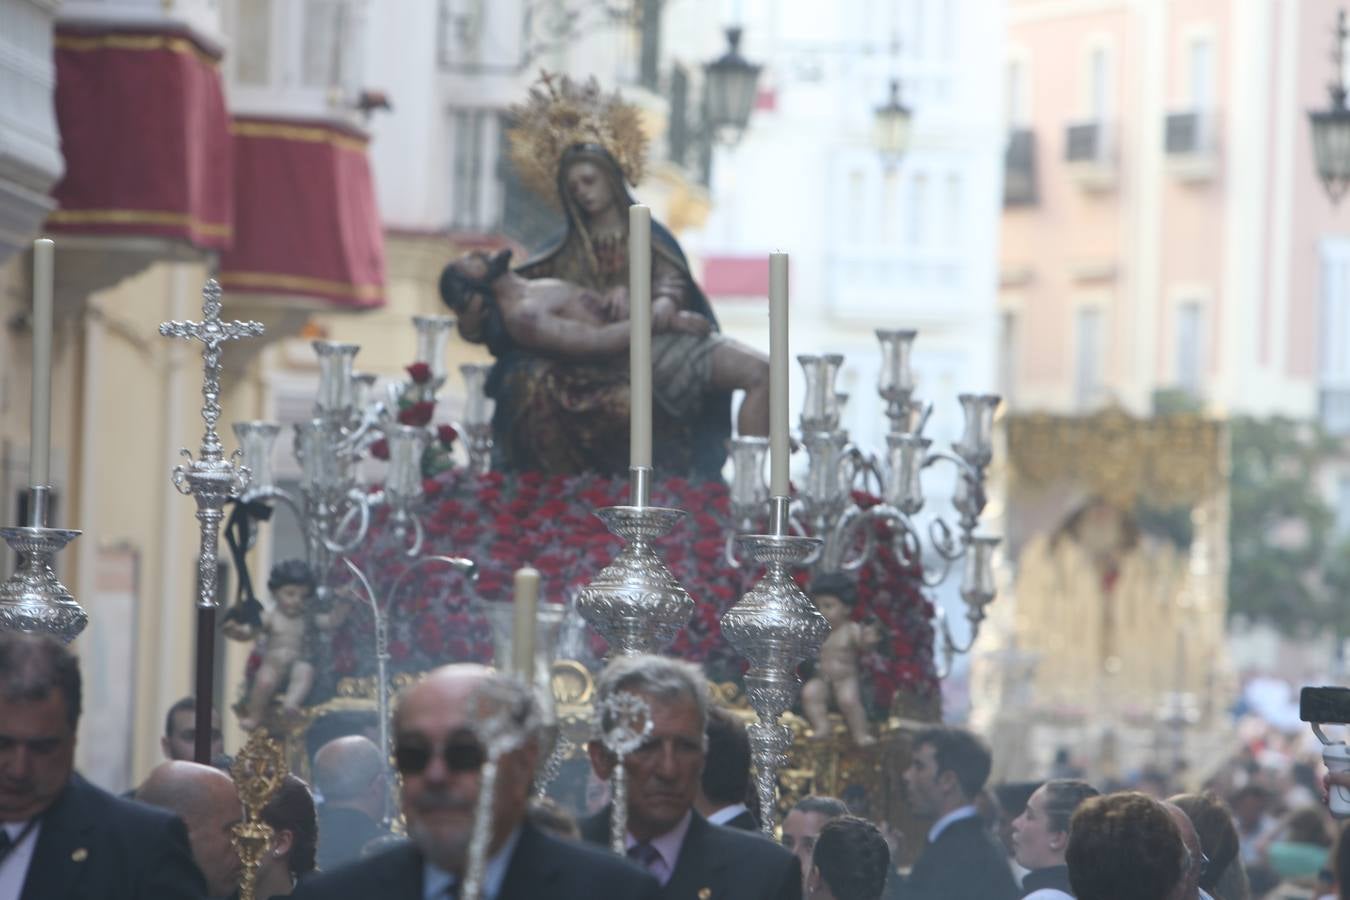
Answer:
x=640 y=345
x=522 y=634
x=41 y=442
x=778 y=375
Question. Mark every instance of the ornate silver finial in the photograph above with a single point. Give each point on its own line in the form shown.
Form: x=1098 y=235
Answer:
x=623 y=720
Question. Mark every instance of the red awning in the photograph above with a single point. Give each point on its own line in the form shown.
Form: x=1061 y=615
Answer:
x=305 y=215
x=145 y=136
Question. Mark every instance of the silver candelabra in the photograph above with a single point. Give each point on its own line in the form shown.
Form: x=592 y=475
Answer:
x=847 y=531
x=332 y=506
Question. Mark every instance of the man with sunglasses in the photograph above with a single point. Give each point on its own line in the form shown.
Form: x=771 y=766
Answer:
x=691 y=857
x=439 y=757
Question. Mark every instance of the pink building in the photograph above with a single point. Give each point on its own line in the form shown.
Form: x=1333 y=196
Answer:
x=1164 y=226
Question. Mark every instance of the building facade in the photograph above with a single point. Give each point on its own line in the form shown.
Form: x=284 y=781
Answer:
x=1164 y=229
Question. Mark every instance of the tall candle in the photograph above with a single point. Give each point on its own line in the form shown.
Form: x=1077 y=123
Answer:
x=522 y=633
x=41 y=442
x=640 y=345
x=778 y=375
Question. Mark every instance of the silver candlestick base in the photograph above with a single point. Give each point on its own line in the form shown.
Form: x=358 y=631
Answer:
x=635 y=603
x=775 y=626
x=33 y=599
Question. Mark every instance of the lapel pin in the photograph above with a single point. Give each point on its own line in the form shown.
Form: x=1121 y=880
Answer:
x=704 y=893
x=79 y=855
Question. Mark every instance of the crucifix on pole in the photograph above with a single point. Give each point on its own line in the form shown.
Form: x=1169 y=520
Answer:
x=212 y=479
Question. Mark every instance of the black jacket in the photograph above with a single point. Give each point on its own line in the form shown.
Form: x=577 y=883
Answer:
x=94 y=846
x=720 y=863
x=964 y=863
x=541 y=867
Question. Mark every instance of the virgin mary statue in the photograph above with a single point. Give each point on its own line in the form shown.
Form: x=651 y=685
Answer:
x=580 y=148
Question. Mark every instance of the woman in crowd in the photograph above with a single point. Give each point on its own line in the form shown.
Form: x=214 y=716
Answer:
x=1225 y=878
x=295 y=839
x=1040 y=837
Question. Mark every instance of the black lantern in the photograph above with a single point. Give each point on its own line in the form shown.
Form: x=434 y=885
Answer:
x=1331 y=127
x=890 y=127
x=729 y=85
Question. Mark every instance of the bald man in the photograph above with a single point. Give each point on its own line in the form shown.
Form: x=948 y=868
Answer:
x=439 y=757
x=1189 y=889
x=208 y=803
x=351 y=776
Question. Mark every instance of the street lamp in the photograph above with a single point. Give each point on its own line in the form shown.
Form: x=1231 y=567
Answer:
x=1331 y=127
x=729 y=85
x=891 y=126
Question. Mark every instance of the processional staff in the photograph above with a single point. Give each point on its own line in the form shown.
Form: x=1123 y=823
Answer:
x=212 y=480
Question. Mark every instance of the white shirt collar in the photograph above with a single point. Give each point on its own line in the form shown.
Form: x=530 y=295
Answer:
x=961 y=812
x=727 y=813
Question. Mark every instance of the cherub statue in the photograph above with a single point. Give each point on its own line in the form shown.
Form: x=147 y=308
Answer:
x=283 y=633
x=836 y=675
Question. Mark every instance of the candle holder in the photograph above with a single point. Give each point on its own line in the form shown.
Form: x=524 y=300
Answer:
x=477 y=423
x=635 y=603
x=775 y=626
x=432 y=334
x=33 y=599
x=623 y=721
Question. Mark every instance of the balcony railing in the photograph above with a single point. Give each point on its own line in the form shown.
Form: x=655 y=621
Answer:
x=1090 y=152
x=1019 y=169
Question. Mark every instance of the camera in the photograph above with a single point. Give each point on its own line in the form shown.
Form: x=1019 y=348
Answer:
x=1320 y=706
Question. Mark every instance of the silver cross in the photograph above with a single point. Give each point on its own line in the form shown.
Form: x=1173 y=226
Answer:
x=212 y=332
x=210 y=479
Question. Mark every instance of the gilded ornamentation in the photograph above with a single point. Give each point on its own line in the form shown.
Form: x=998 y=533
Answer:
x=1167 y=461
x=258 y=772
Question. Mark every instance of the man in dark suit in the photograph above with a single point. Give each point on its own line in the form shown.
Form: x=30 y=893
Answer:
x=693 y=859
x=61 y=837
x=440 y=757
x=350 y=775
x=725 y=785
x=961 y=859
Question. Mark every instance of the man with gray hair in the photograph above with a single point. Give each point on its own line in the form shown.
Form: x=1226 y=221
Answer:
x=439 y=753
x=666 y=835
x=350 y=775
x=59 y=835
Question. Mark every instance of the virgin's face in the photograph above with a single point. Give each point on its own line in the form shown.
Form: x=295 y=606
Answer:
x=589 y=188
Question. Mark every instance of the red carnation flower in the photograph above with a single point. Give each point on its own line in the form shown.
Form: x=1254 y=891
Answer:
x=431 y=487
x=419 y=372
x=418 y=414
x=380 y=449
x=446 y=434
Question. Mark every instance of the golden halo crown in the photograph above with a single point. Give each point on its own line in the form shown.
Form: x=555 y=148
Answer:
x=560 y=114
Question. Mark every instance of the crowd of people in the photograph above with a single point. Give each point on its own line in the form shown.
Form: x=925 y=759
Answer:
x=692 y=829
